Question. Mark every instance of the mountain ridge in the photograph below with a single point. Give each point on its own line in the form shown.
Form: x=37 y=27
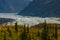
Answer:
x=42 y=8
x=12 y=6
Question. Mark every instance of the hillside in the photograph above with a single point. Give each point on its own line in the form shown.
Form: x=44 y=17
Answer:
x=41 y=25
x=12 y=6
x=42 y=8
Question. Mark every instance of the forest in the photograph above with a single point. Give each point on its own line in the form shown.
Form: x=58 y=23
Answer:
x=41 y=31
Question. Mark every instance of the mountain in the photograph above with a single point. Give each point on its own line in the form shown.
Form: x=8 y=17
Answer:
x=42 y=8
x=12 y=6
x=5 y=20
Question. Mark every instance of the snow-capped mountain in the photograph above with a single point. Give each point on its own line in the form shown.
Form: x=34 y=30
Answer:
x=42 y=8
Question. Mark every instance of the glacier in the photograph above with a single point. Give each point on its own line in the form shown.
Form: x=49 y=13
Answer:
x=21 y=20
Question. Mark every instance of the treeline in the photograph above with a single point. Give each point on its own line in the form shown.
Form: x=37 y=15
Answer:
x=24 y=32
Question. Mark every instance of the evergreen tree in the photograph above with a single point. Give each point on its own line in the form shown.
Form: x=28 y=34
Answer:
x=52 y=37
x=4 y=36
x=9 y=32
x=50 y=28
x=49 y=38
x=38 y=33
x=16 y=28
x=24 y=35
x=27 y=28
x=53 y=33
x=56 y=33
x=28 y=35
x=45 y=32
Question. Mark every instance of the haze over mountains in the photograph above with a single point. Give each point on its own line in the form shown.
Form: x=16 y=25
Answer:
x=42 y=8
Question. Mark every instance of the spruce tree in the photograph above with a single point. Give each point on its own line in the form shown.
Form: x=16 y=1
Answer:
x=49 y=38
x=16 y=28
x=56 y=33
x=53 y=33
x=28 y=35
x=27 y=28
x=52 y=37
x=45 y=32
x=38 y=33
x=24 y=35
x=9 y=32
x=4 y=36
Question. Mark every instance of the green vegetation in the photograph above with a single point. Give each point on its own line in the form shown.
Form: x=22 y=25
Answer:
x=19 y=32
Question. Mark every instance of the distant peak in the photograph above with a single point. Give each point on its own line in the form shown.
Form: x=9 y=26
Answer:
x=42 y=8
